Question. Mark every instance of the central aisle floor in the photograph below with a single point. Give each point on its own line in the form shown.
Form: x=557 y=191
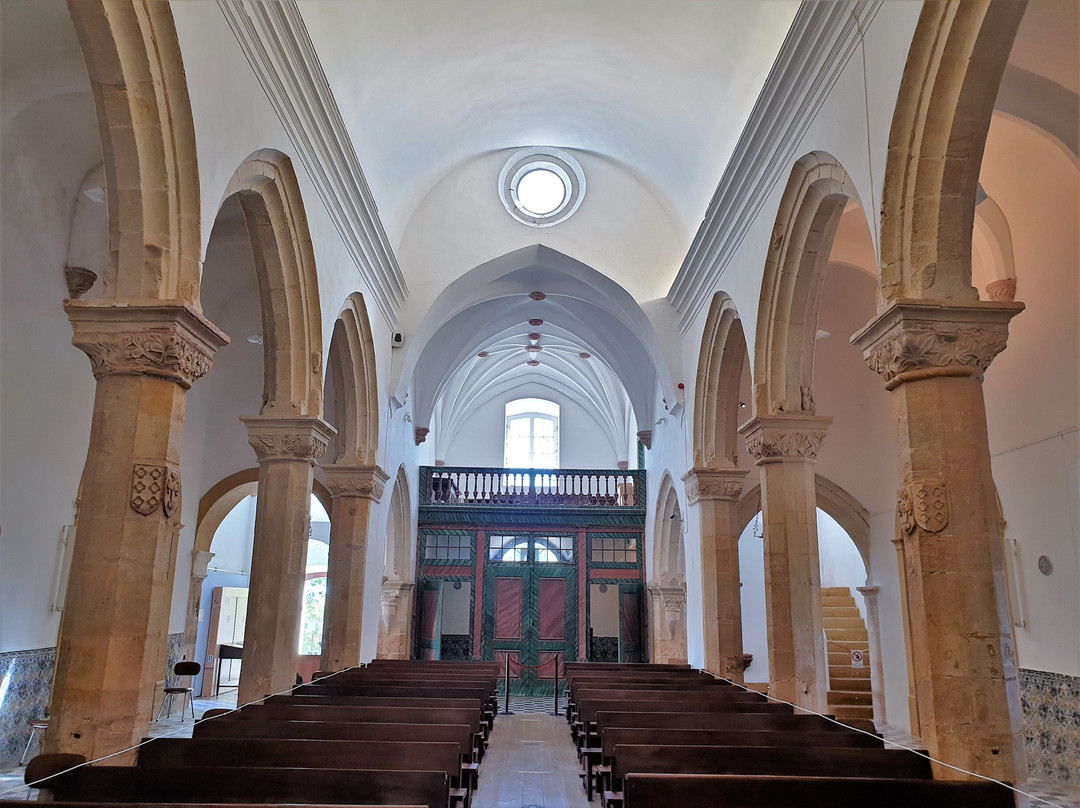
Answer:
x=531 y=761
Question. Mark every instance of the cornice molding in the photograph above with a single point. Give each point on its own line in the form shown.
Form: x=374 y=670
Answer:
x=276 y=44
x=822 y=39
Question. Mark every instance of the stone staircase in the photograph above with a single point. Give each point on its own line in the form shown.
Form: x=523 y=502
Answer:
x=849 y=688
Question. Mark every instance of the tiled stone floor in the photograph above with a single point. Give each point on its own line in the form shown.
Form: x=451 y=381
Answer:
x=531 y=762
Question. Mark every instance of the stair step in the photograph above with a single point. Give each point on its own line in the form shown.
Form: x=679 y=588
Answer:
x=835 y=591
x=846 y=635
x=849 y=711
x=844 y=658
x=840 y=611
x=844 y=683
x=842 y=622
x=849 y=697
x=831 y=602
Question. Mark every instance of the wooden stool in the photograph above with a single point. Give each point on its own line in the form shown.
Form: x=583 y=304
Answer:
x=35 y=728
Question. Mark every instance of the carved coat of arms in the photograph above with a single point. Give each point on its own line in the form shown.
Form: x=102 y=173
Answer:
x=147 y=487
x=171 y=500
x=930 y=504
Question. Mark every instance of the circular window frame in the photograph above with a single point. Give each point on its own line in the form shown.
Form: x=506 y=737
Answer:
x=560 y=163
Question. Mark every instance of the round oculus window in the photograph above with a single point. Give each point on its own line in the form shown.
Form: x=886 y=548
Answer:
x=541 y=187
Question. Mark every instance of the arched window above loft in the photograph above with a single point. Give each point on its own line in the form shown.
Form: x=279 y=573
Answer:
x=532 y=434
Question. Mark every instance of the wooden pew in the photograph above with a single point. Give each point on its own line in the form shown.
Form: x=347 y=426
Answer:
x=460 y=734
x=600 y=764
x=144 y=785
x=372 y=715
x=739 y=791
x=584 y=728
x=66 y=804
x=793 y=761
x=401 y=756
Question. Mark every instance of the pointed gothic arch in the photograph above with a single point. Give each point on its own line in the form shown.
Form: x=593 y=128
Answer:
x=147 y=133
x=721 y=362
x=356 y=391
x=269 y=194
x=954 y=67
x=668 y=581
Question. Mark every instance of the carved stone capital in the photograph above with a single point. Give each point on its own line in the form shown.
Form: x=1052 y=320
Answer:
x=714 y=484
x=366 y=482
x=776 y=438
x=288 y=438
x=200 y=560
x=916 y=340
x=163 y=339
x=420 y=434
x=645 y=436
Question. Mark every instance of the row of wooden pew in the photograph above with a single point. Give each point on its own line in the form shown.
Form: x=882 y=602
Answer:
x=657 y=736
x=394 y=733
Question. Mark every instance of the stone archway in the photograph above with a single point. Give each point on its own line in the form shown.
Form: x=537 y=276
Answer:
x=668 y=587
x=288 y=435
x=398 y=585
x=786 y=432
x=148 y=143
x=931 y=342
x=355 y=480
x=715 y=482
x=148 y=343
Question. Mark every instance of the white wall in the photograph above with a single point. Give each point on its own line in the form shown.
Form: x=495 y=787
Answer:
x=582 y=444
x=752 y=600
x=840 y=562
x=1033 y=388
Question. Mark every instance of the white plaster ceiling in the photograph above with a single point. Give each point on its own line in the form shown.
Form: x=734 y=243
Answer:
x=650 y=97
x=659 y=89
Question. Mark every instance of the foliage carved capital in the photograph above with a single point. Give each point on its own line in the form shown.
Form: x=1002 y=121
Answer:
x=775 y=438
x=295 y=439
x=166 y=340
x=714 y=484
x=366 y=482
x=917 y=340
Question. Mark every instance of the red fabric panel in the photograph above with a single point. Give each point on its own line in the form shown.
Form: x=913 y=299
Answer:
x=508 y=609
x=547 y=668
x=430 y=610
x=515 y=669
x=552 y=608
x=630 y=615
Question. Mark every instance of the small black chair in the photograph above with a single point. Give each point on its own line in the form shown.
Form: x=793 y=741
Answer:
x=182 y=668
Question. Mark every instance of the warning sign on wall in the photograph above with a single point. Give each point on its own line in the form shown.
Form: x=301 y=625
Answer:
x=856 y=659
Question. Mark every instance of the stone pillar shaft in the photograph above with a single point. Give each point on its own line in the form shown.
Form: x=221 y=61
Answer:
x=199 y=561
x=115 y=622
x=873 y=633
x=785 y=447
x=716 y=492
x=287 y=450
x=355 y=489
x=932 y=358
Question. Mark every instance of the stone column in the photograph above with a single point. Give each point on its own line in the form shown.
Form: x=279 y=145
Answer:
x=668 y=623
x=933 y=357
x=355 y=489
x=873 y=633
x=716 y=492
x=115 y=622
x=287 y=450
x=786 y=447
x=199 y=561
x=396 y=604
